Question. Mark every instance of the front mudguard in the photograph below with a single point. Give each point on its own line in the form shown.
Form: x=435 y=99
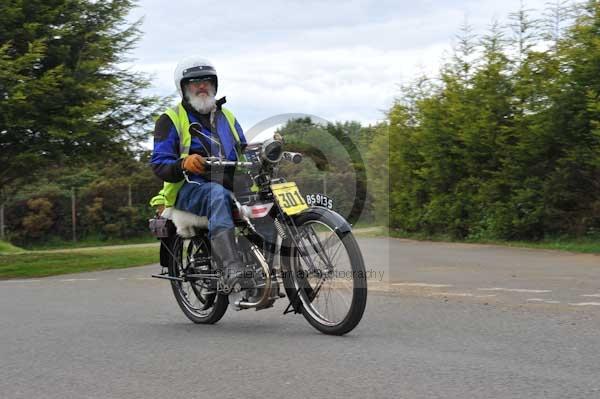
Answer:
x=318 y=212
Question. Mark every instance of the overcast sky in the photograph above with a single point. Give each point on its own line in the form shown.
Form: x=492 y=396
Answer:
x=340 y=60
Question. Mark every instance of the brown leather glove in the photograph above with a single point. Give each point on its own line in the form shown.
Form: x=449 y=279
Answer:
x=194 y=163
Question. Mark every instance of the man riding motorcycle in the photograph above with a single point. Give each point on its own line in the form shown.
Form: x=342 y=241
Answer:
x=205 y=192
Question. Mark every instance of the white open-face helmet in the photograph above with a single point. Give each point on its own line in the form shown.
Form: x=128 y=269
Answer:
x=194 y=67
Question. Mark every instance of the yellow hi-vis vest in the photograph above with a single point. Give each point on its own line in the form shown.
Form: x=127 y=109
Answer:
x=167 y=196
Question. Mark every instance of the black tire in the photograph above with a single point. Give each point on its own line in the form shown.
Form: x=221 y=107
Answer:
x=198 y=305
x=300 y=285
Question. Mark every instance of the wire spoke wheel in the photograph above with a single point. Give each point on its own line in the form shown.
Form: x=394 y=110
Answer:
x=197 y=297
x=325 y=272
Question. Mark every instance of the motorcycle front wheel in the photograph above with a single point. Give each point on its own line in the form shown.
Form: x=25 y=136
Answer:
x=324 y=273
x=197 y=298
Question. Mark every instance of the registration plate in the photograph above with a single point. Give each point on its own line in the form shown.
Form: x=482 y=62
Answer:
x=288 y=197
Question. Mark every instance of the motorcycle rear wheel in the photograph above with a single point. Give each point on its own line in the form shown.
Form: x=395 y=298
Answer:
x=198 y=301
x=324 y=274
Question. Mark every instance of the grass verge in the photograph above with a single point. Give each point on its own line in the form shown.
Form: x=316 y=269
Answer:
x=371 y=231
x=590 y=245
x=8 y=248
x=32 y=264
x=583 y=245
x=89 y=242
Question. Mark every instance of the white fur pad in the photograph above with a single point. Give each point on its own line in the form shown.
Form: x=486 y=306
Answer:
x=185 y=221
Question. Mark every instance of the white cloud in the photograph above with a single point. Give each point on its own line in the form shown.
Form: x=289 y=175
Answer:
x=337 y=59
x=346 y=83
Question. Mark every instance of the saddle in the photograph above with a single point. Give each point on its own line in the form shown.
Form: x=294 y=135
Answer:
x=186 y=223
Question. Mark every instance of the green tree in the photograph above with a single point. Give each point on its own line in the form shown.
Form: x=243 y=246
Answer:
x=39 y=219
x=333 y=163
x=65 y=97
x=556 y=16
x=507 y=145
x=572 y=190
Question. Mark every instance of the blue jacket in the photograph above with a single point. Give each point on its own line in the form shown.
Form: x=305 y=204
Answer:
x=166 y=161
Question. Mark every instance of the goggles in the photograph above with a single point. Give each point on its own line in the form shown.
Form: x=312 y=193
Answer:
x=210 y=79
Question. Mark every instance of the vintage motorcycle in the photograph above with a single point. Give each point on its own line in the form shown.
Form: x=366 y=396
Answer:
x=312 y=252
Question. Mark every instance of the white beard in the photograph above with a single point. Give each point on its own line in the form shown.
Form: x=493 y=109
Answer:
x=202 y=104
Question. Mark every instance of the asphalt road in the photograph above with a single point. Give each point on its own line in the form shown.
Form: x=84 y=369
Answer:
x=488 y=272
x=445 y=321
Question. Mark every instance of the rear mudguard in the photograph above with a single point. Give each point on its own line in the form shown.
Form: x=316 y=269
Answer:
x=166 y=250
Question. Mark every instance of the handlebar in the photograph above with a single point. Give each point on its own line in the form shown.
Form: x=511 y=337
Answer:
x=214 y=161
x=294 y=157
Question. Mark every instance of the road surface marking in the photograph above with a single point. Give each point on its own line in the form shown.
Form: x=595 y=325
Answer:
x=69 y=280
x=515 y=290
x=461 y=294
x=593 y=295
x=541 y=300
x=21 y=281
x=135 y=278
x=585 y=304
x=424 y=285
x=451 y=294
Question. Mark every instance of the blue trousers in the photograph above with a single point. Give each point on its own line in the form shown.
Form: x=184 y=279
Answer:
x=207 y=199
x=212 y=200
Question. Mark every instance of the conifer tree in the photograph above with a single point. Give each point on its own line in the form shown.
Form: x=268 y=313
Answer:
x=572 y=190
x=65 y=96
x=508 y=144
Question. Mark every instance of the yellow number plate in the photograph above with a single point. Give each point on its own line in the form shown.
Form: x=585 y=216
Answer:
x=288 y=197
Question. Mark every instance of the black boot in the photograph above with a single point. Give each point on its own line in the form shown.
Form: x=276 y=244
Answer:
x=224 y=247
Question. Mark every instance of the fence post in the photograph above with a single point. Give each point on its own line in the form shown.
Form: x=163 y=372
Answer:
x=2 y=220
x=73 y=214
x=130 y=202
